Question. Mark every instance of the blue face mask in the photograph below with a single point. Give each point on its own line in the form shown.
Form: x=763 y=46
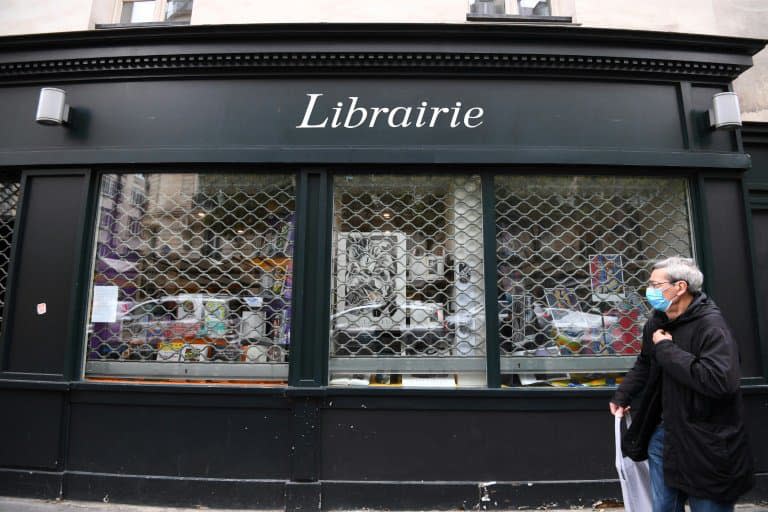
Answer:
x=656 y=299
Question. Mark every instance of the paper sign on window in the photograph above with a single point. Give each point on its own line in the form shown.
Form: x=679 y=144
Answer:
x=104 y=308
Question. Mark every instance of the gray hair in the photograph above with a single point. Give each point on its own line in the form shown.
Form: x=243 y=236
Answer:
x=682 y=269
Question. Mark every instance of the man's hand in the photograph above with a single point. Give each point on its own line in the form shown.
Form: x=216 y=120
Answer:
x=618 y=410
x=661 y=334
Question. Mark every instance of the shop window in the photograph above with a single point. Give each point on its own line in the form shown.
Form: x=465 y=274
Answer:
x=9 y=199
x=195 y=280
x=573 y=255
x=150 y=11
x=408 y=293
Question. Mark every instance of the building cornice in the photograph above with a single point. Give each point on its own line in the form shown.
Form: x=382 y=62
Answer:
x=755 y=133
x=437 y=63
x=359 y=49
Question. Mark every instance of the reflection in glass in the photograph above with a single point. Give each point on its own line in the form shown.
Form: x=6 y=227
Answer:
x=9 y=199
x=138 y=11
x=572 y=258
x=534 y=7
x=179 y=11
x=407 y=298
x=192 y=268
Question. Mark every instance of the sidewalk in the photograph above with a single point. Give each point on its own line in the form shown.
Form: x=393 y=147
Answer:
x=31 y=505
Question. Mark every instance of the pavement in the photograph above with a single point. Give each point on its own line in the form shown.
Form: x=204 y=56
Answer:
x=33 y=505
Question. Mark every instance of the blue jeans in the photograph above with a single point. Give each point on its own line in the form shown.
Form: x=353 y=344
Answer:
x=667 y=499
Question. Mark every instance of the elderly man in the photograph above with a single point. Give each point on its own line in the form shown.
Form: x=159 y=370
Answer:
x=688 y=375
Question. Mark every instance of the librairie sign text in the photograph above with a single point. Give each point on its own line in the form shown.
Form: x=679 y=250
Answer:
x=352 y=114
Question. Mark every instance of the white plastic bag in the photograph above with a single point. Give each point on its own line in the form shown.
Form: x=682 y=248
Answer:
x=634 y=476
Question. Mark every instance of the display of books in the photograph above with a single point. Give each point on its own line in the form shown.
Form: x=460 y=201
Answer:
x=606 y=277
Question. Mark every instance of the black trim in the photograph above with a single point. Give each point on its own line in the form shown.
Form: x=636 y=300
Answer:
x=26 y=382
x=490 y=268
x=754 y=133
x=407 y=31
x=31 y=483
x=79 y=307
x=309 y=359
x=175 y=491
x=518 y=18
x=144 y=24
x=359 y=63
x=323 y=495
x=686 y=107
x=395 y=156
x=493 y=49
x=757 y=301
x=347 y=495
x=703 y=244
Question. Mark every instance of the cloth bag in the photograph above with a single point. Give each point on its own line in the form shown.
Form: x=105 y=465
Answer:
x=634 y=476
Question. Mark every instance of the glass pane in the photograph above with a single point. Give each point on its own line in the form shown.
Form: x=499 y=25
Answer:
x=488 y=7
x=138 y=11
x=193 y=276
x=534 y=7
x=179 y=11
x=573 y=255
x=9 y=199
x=408 y=297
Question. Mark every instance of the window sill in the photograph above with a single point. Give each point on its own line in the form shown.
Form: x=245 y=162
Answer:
x=102 y=26
x=516 y=18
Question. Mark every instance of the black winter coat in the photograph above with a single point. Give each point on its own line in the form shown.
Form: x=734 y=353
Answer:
x=706 y=452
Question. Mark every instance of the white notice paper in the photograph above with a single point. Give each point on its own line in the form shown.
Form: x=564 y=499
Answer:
x=104 y=307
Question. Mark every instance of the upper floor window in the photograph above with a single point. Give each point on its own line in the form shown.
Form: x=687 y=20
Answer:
x=534 y=8
x=151 y=11
x=517 y=10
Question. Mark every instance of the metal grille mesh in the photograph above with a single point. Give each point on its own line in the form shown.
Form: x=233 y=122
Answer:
x=408 y=267
x=573 y=256
x=193 y=268
x=9 y=198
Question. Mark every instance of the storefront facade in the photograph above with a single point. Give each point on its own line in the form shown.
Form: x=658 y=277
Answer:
x=387 y=266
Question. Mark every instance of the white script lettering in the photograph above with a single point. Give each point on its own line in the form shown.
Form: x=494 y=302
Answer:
x=351 y=114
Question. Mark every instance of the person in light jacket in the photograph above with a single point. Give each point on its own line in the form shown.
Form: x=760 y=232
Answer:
x=698 y=450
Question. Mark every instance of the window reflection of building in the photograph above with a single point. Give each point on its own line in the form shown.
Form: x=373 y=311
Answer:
x=117 y=247
x=590 y=239
x=222 y=241
x=408 y=274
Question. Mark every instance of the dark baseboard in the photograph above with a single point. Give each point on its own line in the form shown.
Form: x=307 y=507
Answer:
x=303 y=496
x=465 y=495
x=759 y=493
x=315 y=496
x=175 y=491
x=30 y=483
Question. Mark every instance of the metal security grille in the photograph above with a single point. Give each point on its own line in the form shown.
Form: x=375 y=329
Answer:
x=9 y=199
x=193 y=276
x=573 y=257
x=408 y=275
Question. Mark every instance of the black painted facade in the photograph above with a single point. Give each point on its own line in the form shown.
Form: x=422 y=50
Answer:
x=562 y=99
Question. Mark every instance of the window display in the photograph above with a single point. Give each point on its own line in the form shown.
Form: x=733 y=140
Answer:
x=192 y=277
x=408 y=294
x=576 y=251
x=9 y=199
